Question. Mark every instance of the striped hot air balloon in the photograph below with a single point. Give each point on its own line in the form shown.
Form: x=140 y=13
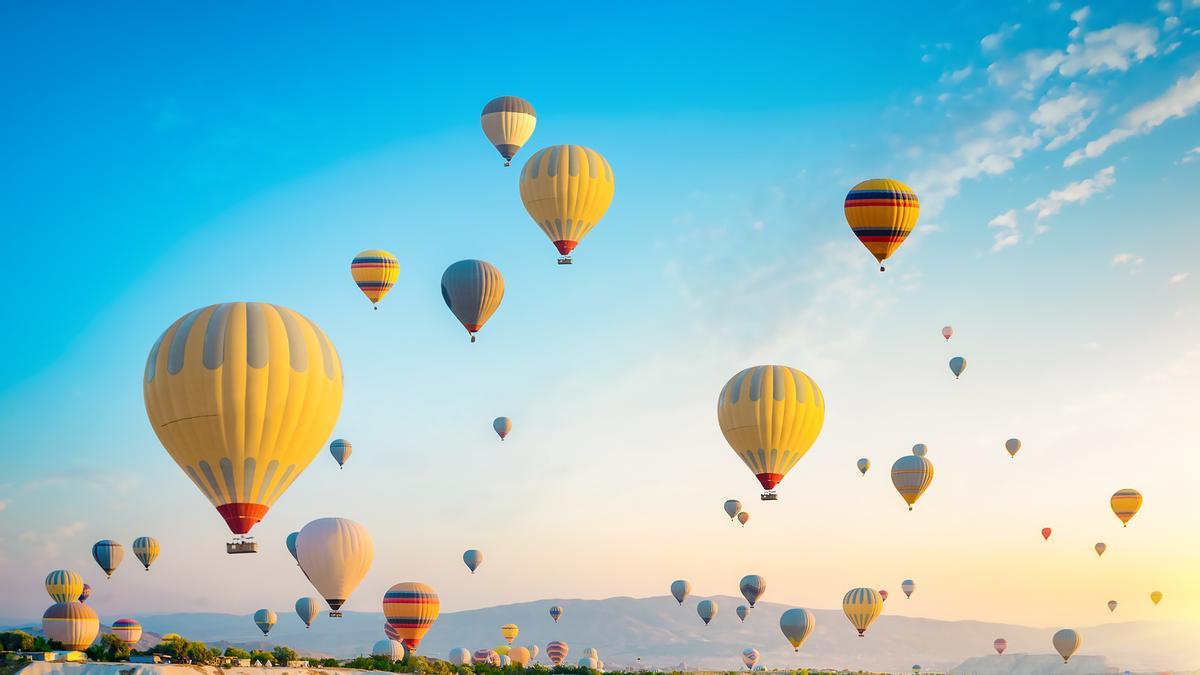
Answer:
x=862 y=606
x=749 y=658
x=74 y=624
x=64 y=585
x=1066 y=642
x=680 y=589
x=127 y=631
x=502 y=425
x=375 y=271
x=146 y=550
x=108 y=555
x=509 y=632
x=85 y=593
x=485 y=657
x=797 y=624
x=265 y=619
x=557 y=651
x=556 y=612
x=1000 y=644
x=566 y=189
x=1125 y=504
x=411 y=608
x=391 y=631
x=707 y=609
x=473 y=559
x=307 y=609
x=508 y=122
x=341 y=448
x=472 y=289
x=911 y=475
x=882 y=212
x=908 y=586
x=752 y=587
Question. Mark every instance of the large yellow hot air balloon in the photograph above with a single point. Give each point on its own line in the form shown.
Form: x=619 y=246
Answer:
x=882 y=212
x=1125 y=504
x=335 y=554
x=508 y=122
x=411 y=608
x=509 y=632
x=770 y=415
x=74 y=624
x=243 y=395
x=375 y=271
x=472 y=289
x=911 y=475
x=566 y=190
x=862 y=606
x=64 y=585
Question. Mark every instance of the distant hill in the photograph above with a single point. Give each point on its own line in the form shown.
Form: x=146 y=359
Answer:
x=665 y=635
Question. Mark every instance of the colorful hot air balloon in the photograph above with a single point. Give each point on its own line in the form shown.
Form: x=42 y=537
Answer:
x=519 y=656
x=957 y=365
x=862 y=606
x=591 y=652
x=509 y=632
x=749 y=658
x=556 y=612
x=743 y=517
x=732 y=508
x=1066 y=641
x=502 y=426
x=335 y=554
x=863 y=465
x=85 y=593
x=246 y=390
x=388 y=649
x=883 y=594
x=264 y=619
x=882 y=212
x=920 y=449
x=797 y=624
x=743 y=612
x=390 y=631
x=291 y=545
x=1100 y=548
x=127 y=631
x=306 y=609
x=460 y=656
x=1012 y=445
x=707 y=609
x=908 y=587
x=1156 y=596
x=1112 y=605
x=411 y=608
x=64 y=585
x=340 y=448
x=680 y=589
x=508 y=123
x=485 y=656
x=146 y=550
x=1000 y=644
x=752 y=587
x=473 y=558
x=472 y=290
x=770 y=416
x=947 y=332
x=1125 y=504
x=74 y=624
x=557 y=651
x=566 y=189
x=589 y=663
x=108 y=554
x=1046 y=532
x=912 y=475
x=375 y=271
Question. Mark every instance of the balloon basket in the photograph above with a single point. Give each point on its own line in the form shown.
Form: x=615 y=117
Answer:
x=770 y=496
x=240 y=545
x=565 y=260
x=335 y=615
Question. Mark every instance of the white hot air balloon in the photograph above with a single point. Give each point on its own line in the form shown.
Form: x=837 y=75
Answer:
x=335 y=554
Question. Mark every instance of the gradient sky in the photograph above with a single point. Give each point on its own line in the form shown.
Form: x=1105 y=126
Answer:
x=166 y=158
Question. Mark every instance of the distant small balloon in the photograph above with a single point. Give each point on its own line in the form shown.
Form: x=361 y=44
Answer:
x=743 y=612
x=957 y=365
x=1012 y=445
x=680 y=589
x=1112 y=605
x=1000 y=644
x=340 y=448
x=707 y=609
x=146 y=549
x=85 y=593
x=557 y=651
x=1156 y=596
x=920 y=449
x=883 y=594
x=1101 y=548
x=863 y=465
x=291 y=545
x=1066 y=642
x=908 y=587
x=460 y=656
x=473 y=559
x=502 y=425
x=1046 y=533
x=948 y=332
x=128 y=631
x=509 y=632
x=732 y=508
x=264 y=619
x=743 y=517
x=64 y=585
x=749 y=658
x=1125 y=504
x=752 y=587
x=556 y=612
x=307 y=609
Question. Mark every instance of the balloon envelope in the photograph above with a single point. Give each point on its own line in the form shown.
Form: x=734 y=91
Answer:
x=127 y=631
x=749 y=658
x=920 y=449
x=1112 y=605
x=375 y=271
x=732 y=508
x=411 y=608
x=473 y=558
x=882 y=212
x=752 y=587
x=1066 y=642
x=291 y=545
x=460 y=656
x=948 y=332
x=472 y=289
x=388 y=649
x=64 y=585
x=508 y=122
x=485 y=656
x=797 y=624
x=341 y=448
x=519 y=656
x=1012 y=445
x=566 y=189
x=862 y=606
x=1046 y=532
x=680 y=589
x=509 y=632
x=502 y=425
x=1101 y=548
x=146 y=549
x=957 y=365
x=557 y=651
x=908 y=587
x=335 y=554
x=1125 y=504
x=108 y=555
x=911 y=475
x=863 y=465
x=85 y=593
x=74 y=624
x=1000 y=644
x=556 y=612
x=1156 y=596
x=707 y=609
x=743 y=517
x=306 y=609
x=264 y=619
x=743 y=612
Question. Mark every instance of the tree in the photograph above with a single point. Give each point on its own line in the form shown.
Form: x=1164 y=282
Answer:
x=283 y=654
x=261 y=656
x=16 y=641
x=108 y=648
x=235 y=653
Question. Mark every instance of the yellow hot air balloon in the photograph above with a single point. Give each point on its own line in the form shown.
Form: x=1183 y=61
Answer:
x=411 y=608
x=509 y=632
x=911 y=475
x=862 y=606
x=375 y=271
x=243 y=395
x=1156 y=596
x=566 y=190
x=1066 y=642
x=74 y=624
x=770 y=416
x=508 y=122
x=1125 y=504
x=882 y=212
x=64 y=585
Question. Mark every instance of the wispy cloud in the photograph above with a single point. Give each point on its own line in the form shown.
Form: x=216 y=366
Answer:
x=1063 y=117
x=1191 y=155
x=1009 y=233
x=1178 y=101
x=1131 y=261
x=1178 y=278
x=1115 y=48
x=956 y=76
x=1074 y=193
x=992 y=41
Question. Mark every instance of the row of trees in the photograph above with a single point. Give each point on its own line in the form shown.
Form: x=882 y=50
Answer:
x=179 y=648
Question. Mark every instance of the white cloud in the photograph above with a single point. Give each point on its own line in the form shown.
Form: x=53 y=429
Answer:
x=918 y=100
x=1029 y=69
x=1178 y=101
x=994 y=40
x=1114 y=48
x=1165 y=6
x=942 y=98
x=1079 y=16
x=1131 y=259
x=1191 y=155
x=987 y=150
x=956 y=76
x=1054 y=6
x=1074 y=193
x=1009 y=233
x=1179 y=278
x=1063 y=117
x=1170 y=23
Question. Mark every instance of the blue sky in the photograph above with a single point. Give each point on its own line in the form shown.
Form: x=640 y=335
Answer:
x=170 y=158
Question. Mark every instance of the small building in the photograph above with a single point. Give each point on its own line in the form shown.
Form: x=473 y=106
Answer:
x=300 y=663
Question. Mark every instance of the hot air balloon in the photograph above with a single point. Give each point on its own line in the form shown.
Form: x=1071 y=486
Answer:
x=680 y=589
x=863 y=465
x=108 y=554
x=246 y=390
x=508 y=122
x=519 y=656
x=1125 y=504
x=908 y=587
x=1100 y=548
x=555 y=612
x=883 y=594
x=1156 y=596
x=1012 y=445
x=912 y=475
x=557 y=651
x=473 y=559
x=375 y=271
x=502 y=425
x=264 y=619
x=291 y=545
x=485 y=656
x=957 y=365
x=752 y=587
x=460 y=656
x=472 y=290
x=1046 y=533
x=390 y=631
x=306 y=609
x=1112 y=605
x=146 y=550
x=85 y=593
x=340 y=448
x=64 y=585
x=882 y=212
x=916 y=668
x=732 y=508
x=862 y=606
x=743 y=612
x=1000 y=644
x=566 y=189
x=589 y=663
x=797 y=624
x=1066 y=641
x=749 y=658
x=509 y=632
x=743 y=517
x=707 y=609
x=947 y=332
x=127 y=631
x=591 y=653
x=920 y=449
x=335 y=554
x=74 y=624
x=770 y=416
x=411 y=608
x=388 y=649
